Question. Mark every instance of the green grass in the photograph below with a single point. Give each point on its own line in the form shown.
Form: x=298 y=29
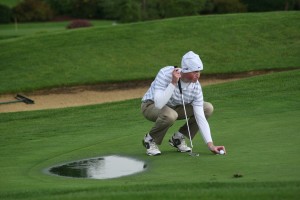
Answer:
x=226 y=43
x=255 y=118
x=9 y=31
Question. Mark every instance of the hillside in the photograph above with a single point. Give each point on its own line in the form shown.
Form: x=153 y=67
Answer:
x=226 y=43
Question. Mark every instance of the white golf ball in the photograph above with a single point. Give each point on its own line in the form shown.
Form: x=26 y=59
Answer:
x=222 y=152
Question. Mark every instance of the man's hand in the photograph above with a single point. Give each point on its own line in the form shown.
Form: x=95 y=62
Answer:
x=175 y=76
x=215 y=149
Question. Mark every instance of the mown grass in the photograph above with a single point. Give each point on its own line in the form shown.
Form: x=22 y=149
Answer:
x=255 y=118
x=8 y=31
x=226 y=43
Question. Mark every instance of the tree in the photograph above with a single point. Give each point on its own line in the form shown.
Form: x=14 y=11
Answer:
x=171 y=8
x=122 y=10
x=60 y=7
x=130 y=11
x=32 y=10
x=229 y=6
x=271 y=5
x=90 y=9
x=5 y=14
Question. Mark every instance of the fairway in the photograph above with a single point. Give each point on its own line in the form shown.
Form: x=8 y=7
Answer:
x=257 y=119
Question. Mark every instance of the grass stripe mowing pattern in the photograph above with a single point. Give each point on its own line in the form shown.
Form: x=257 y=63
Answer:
x=256 y=119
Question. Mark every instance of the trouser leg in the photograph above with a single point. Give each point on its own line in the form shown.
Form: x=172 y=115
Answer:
x=208 y=110
x=163 y=118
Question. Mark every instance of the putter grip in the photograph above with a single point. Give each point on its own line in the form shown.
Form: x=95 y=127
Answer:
x=179 y=83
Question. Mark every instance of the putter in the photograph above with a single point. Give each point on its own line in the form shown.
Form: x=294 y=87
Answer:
x=20 y=98
x=187 y=123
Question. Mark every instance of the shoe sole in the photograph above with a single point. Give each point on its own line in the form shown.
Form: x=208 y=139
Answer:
x=149 y=154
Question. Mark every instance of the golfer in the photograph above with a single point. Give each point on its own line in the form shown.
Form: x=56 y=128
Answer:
x=163 y=105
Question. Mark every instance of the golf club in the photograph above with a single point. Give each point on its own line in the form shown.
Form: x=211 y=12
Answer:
x=187 y=123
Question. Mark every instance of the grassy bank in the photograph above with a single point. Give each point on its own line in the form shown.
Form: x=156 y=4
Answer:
x=16 y=30
x=258 y=125
x=226 y=44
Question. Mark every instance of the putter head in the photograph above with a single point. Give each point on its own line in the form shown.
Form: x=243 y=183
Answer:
x=193 y=154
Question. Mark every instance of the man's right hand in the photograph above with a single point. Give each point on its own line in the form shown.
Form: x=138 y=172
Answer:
x=175 y=76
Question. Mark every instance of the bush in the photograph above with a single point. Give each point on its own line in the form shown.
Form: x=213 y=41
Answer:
x=122 y=10
x=136 y=10
x=229 y=6
x=61 y=7
x=179 y=8
x=32 y=10
x=208 y=7
x=5 y=14
x=271 y=5
x=223 y=6
x=88 y=9
x=79 y=23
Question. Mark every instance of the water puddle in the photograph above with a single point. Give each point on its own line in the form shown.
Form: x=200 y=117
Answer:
x=100 y=168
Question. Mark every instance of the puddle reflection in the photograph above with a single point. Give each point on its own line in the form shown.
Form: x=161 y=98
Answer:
x=100 y=168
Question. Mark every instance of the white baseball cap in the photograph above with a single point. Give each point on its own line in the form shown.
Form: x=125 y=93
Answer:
x=191 y=62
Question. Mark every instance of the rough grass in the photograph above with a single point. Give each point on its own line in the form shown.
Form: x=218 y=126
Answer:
x=256 y=119
x=226 y=43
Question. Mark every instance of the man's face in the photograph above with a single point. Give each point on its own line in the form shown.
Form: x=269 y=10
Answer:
x=190 y=76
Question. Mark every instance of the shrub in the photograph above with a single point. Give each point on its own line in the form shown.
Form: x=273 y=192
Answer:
x=208 y=8
x=229 y=6
x=5 y=14
x=122 y=10
x=79 y=23
x=88 y=9
x=61 y=7
x=223 y=6
x=32 y=10
x=184 y=8
x=271 y=5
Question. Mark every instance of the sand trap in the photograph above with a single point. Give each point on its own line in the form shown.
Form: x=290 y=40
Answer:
x=102 y=93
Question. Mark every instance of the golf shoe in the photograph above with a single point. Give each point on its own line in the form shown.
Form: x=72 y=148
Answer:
x=178 y=142
x=152 y=148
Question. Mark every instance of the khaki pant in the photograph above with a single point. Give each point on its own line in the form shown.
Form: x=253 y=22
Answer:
x=164 y=118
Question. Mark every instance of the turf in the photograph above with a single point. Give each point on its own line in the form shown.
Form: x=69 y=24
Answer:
x=9 y=31
x=255 y=118
x=226 y=43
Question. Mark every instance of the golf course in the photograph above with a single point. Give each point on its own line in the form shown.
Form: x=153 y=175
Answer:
x=255 y=118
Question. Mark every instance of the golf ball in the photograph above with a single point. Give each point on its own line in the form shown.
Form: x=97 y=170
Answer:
x=222 y=152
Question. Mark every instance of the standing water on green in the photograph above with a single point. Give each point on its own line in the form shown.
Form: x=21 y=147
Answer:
x=99 y=168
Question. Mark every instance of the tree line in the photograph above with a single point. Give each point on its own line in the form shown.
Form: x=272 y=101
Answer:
x=133 y=10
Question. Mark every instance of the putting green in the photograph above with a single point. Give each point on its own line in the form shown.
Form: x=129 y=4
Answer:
x=256 y=119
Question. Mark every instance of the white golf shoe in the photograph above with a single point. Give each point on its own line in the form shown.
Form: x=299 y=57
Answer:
x=152 y=148
x=178 y=142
